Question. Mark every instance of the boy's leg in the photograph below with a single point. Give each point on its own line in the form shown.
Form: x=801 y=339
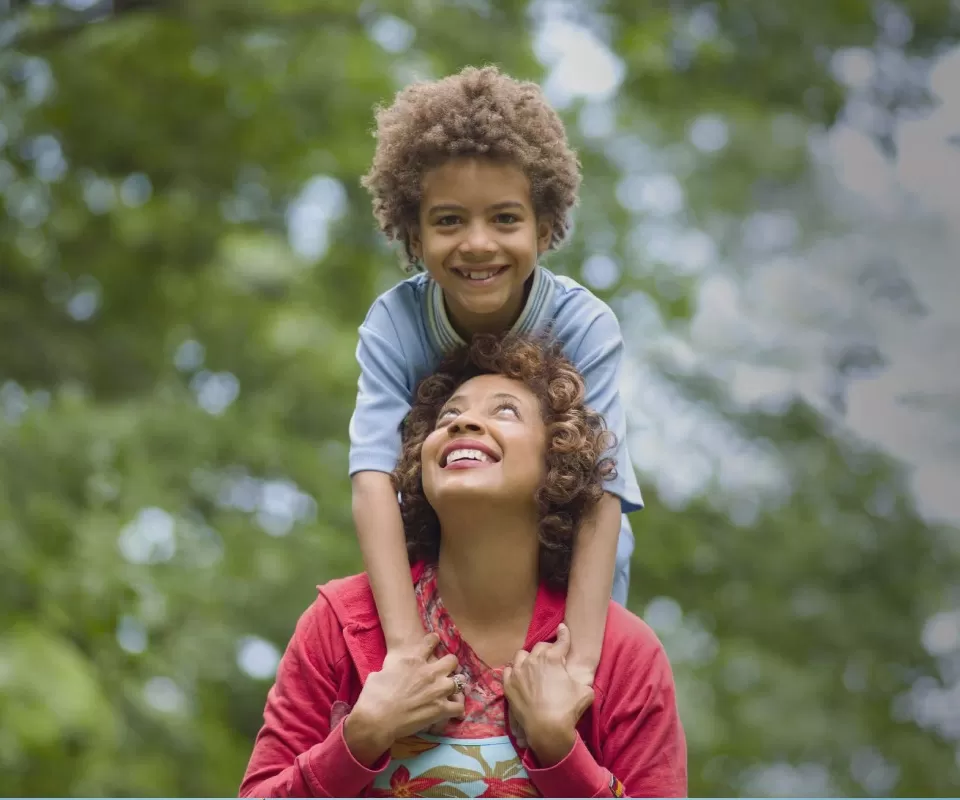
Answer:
x=621 y=576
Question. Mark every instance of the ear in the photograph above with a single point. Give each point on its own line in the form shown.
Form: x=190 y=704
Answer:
x=544 y=233
x=415 y=242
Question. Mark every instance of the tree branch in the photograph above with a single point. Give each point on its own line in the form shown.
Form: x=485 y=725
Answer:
x=74 y=22
x=228 y=18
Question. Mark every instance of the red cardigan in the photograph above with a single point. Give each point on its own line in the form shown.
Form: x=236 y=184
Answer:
x=632 y=731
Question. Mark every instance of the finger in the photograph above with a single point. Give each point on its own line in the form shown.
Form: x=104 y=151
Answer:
x=507 y=674
x=445 y=709
x=561 y=647
x=454 y=685
x=446 y=665
x=429 y=644
x=540 y=649
x=453 y=707
x=519 y=658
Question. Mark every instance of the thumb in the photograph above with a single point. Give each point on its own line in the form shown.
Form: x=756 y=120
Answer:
x=428 y=645
x=507 y=673
x=562 y=645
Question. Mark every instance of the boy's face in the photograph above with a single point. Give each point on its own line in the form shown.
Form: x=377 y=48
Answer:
x=479 y=238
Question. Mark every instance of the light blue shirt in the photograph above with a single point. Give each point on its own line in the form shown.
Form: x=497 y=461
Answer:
x=407 y=333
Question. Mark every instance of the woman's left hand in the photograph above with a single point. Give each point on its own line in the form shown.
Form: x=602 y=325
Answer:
x=546 y=701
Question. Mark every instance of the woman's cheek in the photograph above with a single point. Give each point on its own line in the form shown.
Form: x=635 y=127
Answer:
x=428 y=448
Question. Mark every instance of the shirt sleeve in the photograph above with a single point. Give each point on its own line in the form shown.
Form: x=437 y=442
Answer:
x=296 y=753
x=384 y=395
x=598 y=357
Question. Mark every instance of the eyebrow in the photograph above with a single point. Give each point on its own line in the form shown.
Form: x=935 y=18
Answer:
x=459 y=398
x=506 y=396
x=455 y=399
x=495 y=207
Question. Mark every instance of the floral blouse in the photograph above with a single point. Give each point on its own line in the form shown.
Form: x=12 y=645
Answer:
x=467 y=757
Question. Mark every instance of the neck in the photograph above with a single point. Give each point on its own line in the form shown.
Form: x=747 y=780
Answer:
x=468 y=325
x=487 y=571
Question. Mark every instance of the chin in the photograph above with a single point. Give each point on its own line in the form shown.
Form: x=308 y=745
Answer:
x=459 y=488
x=487 y=305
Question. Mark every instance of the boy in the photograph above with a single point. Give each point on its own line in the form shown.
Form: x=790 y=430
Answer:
x=474 y=175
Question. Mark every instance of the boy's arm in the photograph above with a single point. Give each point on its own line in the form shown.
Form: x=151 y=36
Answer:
x=376 y=515
x=383 y=401
x=591 y=583
x=598 y=357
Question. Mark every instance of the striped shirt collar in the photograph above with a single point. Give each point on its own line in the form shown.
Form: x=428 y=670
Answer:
x=536 y=312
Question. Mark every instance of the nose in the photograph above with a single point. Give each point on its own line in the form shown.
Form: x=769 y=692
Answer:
x=464 y=423
x=478 y=242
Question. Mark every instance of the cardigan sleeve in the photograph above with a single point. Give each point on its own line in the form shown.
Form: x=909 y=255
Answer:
x=641 y=749
x=298 y=752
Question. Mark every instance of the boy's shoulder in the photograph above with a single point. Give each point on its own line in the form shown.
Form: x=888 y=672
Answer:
x=397 y=313
x=579 y=317
x=574 y=300
x=404 y=296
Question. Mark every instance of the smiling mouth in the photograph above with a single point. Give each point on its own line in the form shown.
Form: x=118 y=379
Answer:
x=467 y=458
x=479 y=276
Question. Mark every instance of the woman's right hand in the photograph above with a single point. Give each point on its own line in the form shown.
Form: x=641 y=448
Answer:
x=409 y=694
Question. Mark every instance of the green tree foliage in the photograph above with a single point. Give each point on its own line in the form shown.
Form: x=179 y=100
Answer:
x=176 y=379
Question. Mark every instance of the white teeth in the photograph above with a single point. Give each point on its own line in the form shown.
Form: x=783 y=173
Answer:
x=480 y=275
x=473 y=455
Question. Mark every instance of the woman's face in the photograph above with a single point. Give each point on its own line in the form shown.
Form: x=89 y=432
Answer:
x=489 y=443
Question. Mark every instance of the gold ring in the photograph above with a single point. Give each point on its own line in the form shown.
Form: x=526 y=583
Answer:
x=459 y=682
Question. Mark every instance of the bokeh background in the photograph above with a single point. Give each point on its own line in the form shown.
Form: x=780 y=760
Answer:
x=770 y=205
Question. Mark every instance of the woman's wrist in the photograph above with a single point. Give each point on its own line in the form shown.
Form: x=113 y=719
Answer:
x=366 y=740
x=551 y=744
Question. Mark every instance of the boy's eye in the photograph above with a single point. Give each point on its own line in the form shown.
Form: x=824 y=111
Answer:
x=448 y=220
x=507 y=219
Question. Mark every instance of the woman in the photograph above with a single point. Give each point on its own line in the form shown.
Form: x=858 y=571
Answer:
x=501 y=461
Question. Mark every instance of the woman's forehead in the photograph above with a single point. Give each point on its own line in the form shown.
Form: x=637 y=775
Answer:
x=485 y=386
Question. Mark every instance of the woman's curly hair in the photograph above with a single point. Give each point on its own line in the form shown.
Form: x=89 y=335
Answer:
x=576 y=440
x=477 y=112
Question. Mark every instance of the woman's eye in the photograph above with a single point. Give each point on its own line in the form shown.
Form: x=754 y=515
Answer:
x=508 y=407
x=446 y=413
